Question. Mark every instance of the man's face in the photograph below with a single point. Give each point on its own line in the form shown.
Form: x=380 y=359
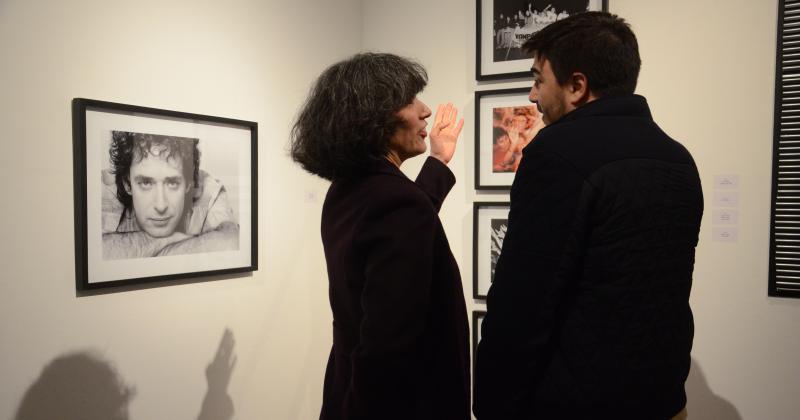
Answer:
x=159 y=189
x=550 y=97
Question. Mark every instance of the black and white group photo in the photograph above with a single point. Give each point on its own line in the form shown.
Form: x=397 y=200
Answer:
x=505 y=25
x=515 y=21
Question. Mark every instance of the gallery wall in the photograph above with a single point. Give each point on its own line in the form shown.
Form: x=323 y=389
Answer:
x=243 y=59
x=708 y=74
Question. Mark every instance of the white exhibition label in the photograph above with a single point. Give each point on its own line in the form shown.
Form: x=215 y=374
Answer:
x=725 y=217
x=723 y=182
x=726 y=198
x=726 y=234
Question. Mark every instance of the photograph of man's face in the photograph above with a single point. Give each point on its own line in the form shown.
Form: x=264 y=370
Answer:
x=157 y=201
x=161 y=193
x=158 y=186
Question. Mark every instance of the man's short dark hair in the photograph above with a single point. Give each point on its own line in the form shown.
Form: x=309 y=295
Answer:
x=598 y=44
x=127 y=146
x=351 y=113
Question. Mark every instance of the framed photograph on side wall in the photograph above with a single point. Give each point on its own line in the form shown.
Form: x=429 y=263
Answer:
x=477 y=320
x=504 y=25
x=161 y=195
x=489 y=225
x=505 y=122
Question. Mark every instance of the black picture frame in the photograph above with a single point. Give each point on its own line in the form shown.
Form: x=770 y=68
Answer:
x=784 y=212
x=488 y=64
x=477 y=320
x=484 y=213
x=487 y=102
x=111 y=249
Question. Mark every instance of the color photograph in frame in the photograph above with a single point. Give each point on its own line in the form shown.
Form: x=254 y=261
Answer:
x=505 y=122
x=489 y=226
x=502 y=27
x=161 y=195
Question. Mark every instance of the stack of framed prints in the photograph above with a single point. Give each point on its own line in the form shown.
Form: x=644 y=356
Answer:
x=505 y=120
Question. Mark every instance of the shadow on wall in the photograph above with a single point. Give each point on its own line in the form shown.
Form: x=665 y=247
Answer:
x=217 y=404
x=77 y=386
x=84 y=386
x=702 y=402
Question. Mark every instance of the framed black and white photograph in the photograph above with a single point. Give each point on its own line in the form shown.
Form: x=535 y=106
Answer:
x=161 y=195
x=505 y=122
x=489 y=226
x=504 y=25
x=477 y=320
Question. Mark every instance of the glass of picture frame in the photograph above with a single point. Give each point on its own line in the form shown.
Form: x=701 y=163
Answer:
x=161 y=195
x=477 y=321
x=489 y=225
x=505 y=122
x=502 y=27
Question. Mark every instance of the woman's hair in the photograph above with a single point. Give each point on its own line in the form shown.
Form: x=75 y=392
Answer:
x=351 y=113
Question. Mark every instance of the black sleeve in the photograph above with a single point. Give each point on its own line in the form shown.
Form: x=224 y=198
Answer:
x=396 y=238
x=436 y=179
x=538 y=260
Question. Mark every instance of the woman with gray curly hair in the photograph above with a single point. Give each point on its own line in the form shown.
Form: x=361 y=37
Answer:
x=400 y=334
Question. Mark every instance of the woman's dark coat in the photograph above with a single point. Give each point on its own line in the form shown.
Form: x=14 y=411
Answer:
x=400 y=332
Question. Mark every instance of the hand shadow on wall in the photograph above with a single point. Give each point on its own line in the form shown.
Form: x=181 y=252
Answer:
x=217 y=404
x=77 y=386
x=702 y=402
x=84 y=386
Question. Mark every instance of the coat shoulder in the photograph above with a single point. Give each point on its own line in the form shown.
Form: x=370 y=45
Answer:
x=385 y=189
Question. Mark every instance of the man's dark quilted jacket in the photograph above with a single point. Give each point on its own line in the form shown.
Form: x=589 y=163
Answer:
x=588 y=315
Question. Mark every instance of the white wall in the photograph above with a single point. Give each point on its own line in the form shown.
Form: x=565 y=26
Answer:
x=245 y=59
x=708 y=74
x=710 y=77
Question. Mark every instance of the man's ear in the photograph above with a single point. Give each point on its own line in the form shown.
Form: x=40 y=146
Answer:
x=127 y=184
x=579 y=92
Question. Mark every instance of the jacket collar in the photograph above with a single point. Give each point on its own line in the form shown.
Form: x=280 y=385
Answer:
x=383 y=166
x=620 y=106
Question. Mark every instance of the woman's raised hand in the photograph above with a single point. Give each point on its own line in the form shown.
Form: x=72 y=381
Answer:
x=445 y=132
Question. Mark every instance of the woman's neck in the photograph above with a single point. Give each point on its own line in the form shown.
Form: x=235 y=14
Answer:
x=393 y=157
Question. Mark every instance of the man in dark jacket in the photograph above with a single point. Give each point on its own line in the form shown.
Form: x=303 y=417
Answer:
x=588 y=315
